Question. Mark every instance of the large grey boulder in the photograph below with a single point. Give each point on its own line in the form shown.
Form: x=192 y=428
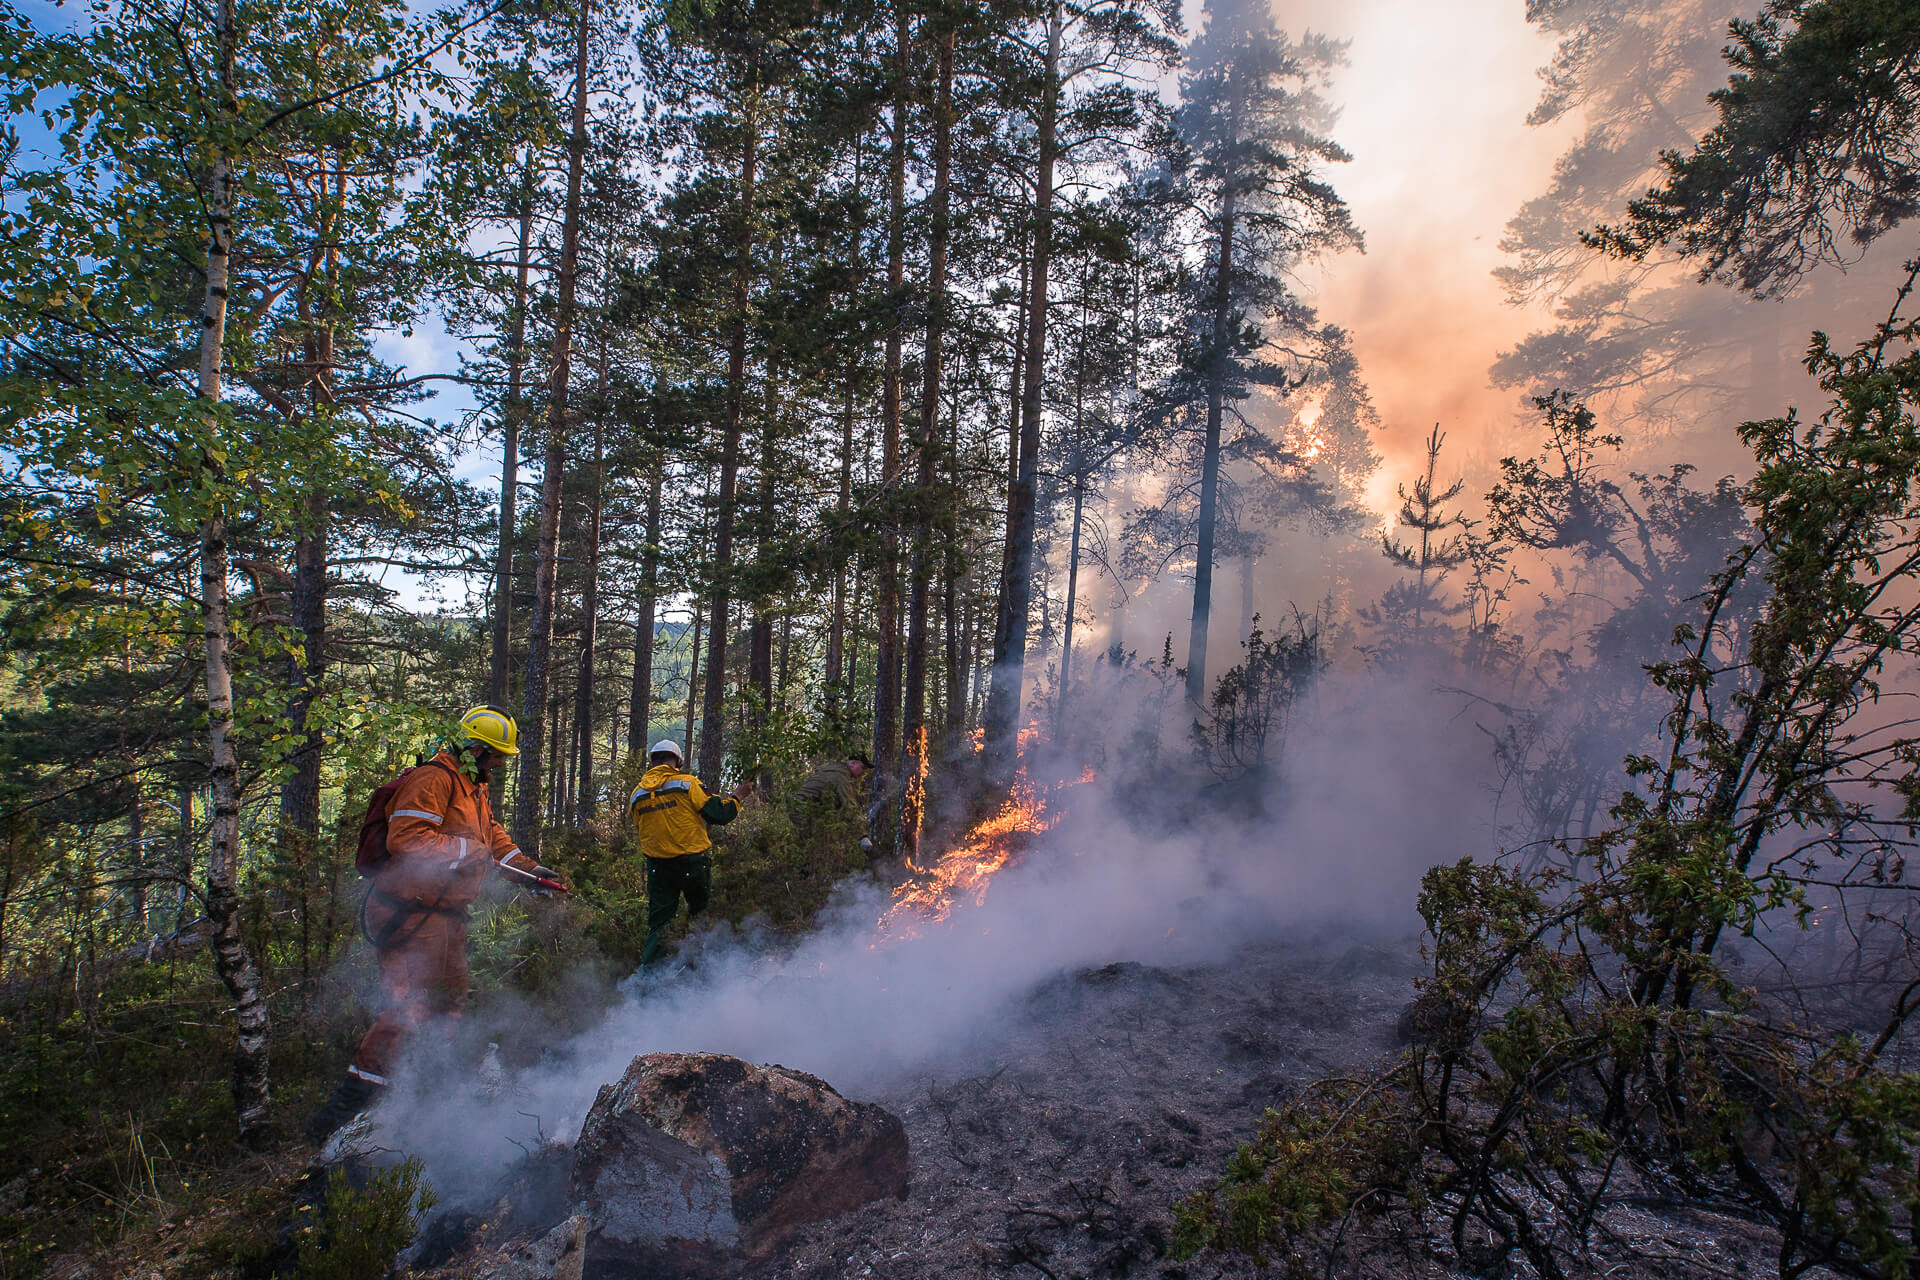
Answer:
x=695 y=1163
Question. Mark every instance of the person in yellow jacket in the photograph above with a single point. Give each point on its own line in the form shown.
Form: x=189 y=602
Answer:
x=672 y=812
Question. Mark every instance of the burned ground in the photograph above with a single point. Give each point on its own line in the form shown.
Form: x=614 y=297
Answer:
x=1094 y=1105
x=1110 y=1095
x=1114 y=1092
x=1103 y=1097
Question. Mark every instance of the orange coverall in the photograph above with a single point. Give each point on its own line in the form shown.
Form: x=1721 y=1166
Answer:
x=444 y=842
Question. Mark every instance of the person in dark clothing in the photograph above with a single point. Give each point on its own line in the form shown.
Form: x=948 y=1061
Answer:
x=832 y=787
x=835 y=783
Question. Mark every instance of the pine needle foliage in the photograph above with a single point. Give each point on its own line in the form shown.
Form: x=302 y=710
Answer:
x=363 y=1227
x=1244 y=732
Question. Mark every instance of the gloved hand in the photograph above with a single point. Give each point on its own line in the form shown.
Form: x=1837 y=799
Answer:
x=540 y=890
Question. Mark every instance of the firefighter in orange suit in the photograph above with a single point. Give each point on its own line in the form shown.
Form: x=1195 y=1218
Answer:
x=443 y=843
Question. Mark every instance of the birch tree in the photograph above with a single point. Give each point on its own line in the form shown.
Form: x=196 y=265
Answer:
x=131 y=303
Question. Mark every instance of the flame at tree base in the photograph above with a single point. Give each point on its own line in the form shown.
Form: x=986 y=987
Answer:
x=928 y=896
x=913 y=805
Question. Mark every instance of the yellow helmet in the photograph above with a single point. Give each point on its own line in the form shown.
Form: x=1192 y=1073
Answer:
x=494 y=728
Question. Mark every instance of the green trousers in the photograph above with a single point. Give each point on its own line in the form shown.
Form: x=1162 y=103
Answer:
x=668 y=879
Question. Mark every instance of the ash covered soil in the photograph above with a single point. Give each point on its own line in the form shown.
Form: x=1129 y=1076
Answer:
x=1118 y=1091
x=1088 y=1110
x=1107 y=1096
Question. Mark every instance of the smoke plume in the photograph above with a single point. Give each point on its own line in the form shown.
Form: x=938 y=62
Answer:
x=1150 y=863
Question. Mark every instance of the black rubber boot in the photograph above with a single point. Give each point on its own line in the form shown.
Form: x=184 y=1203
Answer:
x=350 y=1097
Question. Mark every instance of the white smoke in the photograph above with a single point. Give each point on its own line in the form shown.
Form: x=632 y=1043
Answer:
x=1382 y=781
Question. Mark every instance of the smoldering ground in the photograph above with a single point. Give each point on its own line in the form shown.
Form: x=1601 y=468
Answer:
x=1151 y=862
x=1089 y=1043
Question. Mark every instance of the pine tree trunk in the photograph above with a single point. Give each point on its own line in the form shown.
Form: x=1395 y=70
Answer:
x=589 y=624
x=976 y=669
x=954 y=631
x=1010 y=628
x=556 y=777
x=837 y=625
x=1073 y=594
x=231 y=958
x=1246 y=597
x=962 y=695
x=853 y=635
x=500 y=670
x=569 y=796
x=300 y=797
x=712 y=706
x=693 y=685
x=1042 y=555
x=638 y=714
x=1210 y=458
x=1016 y=378
x=528 y=806
x=886 y=694
x=760 y=636
x=835 y=658
x=1016 y=386
x=786 y=649
x=1219 y=338
x=183 y=861
x=137 y=842
x=915 y=718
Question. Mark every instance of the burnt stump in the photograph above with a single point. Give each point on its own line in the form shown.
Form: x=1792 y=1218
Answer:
x=692 y=1164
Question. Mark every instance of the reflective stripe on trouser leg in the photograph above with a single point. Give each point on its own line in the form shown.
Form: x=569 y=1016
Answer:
x=421 y=977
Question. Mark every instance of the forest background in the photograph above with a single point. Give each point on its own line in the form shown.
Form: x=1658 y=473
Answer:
x=682 y=370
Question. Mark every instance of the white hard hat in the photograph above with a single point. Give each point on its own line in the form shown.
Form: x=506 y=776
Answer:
x=670 y=746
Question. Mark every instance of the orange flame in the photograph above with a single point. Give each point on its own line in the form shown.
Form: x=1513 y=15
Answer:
x=914 y=804
x=967 y=868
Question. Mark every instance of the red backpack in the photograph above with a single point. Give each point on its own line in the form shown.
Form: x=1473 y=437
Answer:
x=373 y=852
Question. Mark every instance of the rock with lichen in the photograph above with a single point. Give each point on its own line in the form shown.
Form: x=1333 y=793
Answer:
x=692 y=1164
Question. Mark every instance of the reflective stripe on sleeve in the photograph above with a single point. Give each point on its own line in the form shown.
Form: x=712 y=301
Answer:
x=418 y=813
x=369 y=1076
